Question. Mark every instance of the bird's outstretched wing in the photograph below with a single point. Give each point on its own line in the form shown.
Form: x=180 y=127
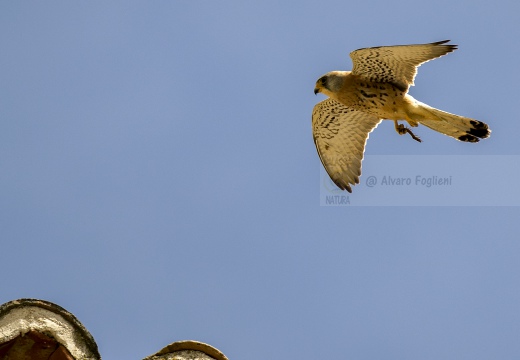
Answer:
x=396 y=64
x=340 y=135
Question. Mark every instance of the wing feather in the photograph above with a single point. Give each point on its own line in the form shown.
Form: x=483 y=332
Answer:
x=396 y=64
x=340 y=135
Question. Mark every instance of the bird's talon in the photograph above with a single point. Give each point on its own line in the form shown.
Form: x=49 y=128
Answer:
x=401 y=130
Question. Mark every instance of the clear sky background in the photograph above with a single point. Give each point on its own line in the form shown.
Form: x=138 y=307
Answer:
x=158 y=179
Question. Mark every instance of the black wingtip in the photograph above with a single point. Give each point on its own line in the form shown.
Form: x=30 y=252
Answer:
x=342 y=185
x=451 y=47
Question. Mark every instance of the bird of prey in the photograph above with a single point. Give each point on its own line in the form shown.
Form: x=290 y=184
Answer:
x=377 y=89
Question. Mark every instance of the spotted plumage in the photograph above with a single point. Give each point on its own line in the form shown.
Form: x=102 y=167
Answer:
x=334 y=124
x=377 y=89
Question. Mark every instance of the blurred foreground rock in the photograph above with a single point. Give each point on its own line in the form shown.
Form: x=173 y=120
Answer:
x=33 y=329
x=188 y=350
x=40 y=330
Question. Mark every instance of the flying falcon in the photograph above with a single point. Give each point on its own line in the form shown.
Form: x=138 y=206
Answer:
x=377 y=89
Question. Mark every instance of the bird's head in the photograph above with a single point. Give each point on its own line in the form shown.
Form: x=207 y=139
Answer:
x=330 y=82
x=320 y=84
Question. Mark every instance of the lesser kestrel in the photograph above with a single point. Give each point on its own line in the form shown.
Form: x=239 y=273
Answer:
x=377 y=89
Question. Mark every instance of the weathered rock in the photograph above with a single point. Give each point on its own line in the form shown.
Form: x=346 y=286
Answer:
x=33 y=329
x=188 y=350
x=40 y=330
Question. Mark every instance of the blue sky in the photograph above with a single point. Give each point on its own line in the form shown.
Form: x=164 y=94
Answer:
x=159 y=179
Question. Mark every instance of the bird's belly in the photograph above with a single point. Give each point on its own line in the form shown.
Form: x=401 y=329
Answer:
x=380 y=99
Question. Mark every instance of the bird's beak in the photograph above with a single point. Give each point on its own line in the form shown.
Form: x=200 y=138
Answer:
x=316 y=91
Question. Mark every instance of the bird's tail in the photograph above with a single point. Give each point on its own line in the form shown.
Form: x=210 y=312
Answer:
x=458 y=127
